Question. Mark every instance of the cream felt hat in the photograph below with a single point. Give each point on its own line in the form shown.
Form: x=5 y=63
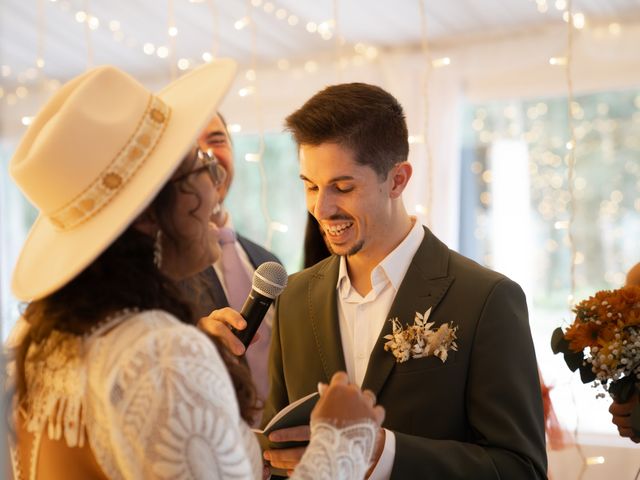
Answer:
x=95 y=156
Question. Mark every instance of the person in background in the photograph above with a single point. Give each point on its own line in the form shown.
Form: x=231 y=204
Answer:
x=622 y=412
x=227 y=282
x=109 y=379
x=474 y=411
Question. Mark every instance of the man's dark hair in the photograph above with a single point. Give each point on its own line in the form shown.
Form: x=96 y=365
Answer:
x=363 y=118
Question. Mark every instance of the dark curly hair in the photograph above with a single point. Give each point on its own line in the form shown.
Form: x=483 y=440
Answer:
x=124 y=276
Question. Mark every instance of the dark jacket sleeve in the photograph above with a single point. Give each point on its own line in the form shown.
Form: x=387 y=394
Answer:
x=503 y=403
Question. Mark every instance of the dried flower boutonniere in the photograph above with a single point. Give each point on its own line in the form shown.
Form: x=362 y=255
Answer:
x=420 y=340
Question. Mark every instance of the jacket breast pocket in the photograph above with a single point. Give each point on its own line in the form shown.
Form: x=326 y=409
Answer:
x=414 y=365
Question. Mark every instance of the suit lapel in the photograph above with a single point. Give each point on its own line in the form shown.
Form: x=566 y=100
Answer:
x=423 y=286
x=255 y=256
x=214 y=287
x=323 y=315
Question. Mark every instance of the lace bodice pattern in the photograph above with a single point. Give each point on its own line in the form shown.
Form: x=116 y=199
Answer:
x=156 y=401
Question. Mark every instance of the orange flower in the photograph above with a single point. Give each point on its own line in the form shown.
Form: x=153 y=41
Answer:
x=582 y=335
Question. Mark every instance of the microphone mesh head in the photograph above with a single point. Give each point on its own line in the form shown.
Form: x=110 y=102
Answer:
x=269 y=279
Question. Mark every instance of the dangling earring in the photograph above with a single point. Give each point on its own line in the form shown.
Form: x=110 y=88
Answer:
x=157 y=250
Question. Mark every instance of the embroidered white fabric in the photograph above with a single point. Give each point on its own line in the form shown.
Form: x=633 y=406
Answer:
x=156 y=401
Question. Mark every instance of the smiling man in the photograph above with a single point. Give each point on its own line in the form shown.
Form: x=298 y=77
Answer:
x=475 y=414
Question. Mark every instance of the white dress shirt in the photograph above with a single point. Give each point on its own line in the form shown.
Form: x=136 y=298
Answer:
x=362 y=318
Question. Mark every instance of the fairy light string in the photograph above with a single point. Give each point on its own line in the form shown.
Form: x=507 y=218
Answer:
x=172 y=32
x=426 y=53
x=40 y=39
x=215 y=23
x=338 y=41
x=571 y=156
x=257 y=99
x=87 y=35
x=571 y=162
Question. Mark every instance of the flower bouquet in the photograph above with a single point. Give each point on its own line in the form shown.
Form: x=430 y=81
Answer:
x=603 y=342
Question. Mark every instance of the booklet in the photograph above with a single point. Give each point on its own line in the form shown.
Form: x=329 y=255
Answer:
x=293 y=415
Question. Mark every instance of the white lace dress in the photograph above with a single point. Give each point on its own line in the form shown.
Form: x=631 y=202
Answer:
x=155 y=400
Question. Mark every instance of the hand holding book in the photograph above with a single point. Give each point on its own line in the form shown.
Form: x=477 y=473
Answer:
x=339 y=404
x=296 y=414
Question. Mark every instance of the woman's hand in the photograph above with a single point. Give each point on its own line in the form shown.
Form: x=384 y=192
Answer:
x=621 y=413
x=342 y=403
x=219 y=323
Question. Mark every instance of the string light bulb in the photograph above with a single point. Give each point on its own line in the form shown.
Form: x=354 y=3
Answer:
x=558 y=61
x=162 y=52
x=246 y=91
x=242 y=23
x=441 y=62
x=279 y=227
x=579 y=21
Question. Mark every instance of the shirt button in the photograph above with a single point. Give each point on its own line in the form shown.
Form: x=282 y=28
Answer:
x=360 y=355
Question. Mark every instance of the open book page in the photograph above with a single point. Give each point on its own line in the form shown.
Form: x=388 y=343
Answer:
x=293 y=415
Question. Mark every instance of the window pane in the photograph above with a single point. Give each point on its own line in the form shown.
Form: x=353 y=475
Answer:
x=280 y=192
x=517 y=152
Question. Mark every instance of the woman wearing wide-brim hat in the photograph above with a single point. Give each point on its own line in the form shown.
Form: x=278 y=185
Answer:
x=110 y=379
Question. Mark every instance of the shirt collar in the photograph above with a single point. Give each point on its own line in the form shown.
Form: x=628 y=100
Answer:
x=393 y=267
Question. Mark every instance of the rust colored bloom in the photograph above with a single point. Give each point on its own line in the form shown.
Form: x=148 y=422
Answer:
x=582 y=335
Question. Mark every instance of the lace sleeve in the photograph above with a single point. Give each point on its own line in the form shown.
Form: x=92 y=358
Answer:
x=172 y=413
x=337 y=453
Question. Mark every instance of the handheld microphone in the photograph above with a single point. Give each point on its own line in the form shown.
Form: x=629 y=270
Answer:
x=269 y=280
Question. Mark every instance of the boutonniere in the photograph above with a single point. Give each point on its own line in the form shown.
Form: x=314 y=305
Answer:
x=420 y=339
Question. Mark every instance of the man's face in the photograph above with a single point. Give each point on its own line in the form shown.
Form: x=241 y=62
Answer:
x=349 y=201
x=215 y=138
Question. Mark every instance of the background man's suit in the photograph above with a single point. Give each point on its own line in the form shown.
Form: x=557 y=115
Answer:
x=211 y=296
x=478 y=415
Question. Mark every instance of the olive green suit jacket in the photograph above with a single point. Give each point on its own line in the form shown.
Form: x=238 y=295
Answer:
x=477 y=415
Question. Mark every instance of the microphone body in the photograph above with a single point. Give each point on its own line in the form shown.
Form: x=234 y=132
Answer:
x=253 y=311
x=269 y=280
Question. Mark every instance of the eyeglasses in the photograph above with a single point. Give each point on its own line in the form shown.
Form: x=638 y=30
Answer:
x=211 y=165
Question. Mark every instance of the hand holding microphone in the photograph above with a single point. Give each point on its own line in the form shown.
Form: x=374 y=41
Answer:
x=236 y=330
